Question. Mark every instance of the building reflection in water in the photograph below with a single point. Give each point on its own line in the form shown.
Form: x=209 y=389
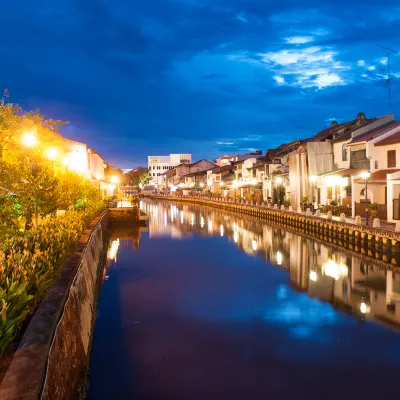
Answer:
x=123 y=235
x=349 y=281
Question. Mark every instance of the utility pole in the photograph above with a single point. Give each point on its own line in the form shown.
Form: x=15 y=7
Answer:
x=388 y=53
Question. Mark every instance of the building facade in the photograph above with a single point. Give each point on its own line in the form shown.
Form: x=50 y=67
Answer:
x=158 y=165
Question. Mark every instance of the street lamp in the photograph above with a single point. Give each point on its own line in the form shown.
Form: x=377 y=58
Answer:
x=313 y=179
x=29 y=139
x=114 y=179
x=366 y=175
x=51 y=153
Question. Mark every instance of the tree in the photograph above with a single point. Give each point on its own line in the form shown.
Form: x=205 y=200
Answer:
x=278 y=194
x=138 y=176
x=34 y=185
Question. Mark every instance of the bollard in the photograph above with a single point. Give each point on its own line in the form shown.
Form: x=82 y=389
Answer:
x=299 y=209
x=318 y=213
x=269 y=205
x=342 y=217
x=376 y=223
x=275 y=206
x=308 y=212
x=282 y=207
x=357 y=220
x=329 y=215
x=290 y=208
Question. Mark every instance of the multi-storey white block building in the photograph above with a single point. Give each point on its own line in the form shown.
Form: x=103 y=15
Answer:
x=160 y=164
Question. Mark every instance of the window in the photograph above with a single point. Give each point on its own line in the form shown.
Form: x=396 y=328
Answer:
x=391 y=158
x=344 y=153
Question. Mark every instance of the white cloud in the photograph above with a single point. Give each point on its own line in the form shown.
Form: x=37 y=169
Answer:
x=327 y=80
x=383 y=61
x=310 y=67
x=360 y=63
x=299 y=39
x=364 y=75
x=371 y=68
x=279 y=79
x=226 y=143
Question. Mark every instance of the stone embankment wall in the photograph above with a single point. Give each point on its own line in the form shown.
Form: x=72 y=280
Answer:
x=52 y=359
x=359 y=235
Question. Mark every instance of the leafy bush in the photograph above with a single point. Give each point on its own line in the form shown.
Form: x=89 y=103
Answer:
x=334 y=203
x=373 y=206
x=29 y=263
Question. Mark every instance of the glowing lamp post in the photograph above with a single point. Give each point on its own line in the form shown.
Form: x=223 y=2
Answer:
x=366 y=175
x=29 y=139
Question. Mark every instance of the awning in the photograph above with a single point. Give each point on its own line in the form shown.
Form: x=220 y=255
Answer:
x=378 y=176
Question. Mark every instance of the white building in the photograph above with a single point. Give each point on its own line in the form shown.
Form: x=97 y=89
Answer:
x=160 y=164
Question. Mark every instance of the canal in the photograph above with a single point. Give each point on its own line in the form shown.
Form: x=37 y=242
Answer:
x=204 y=304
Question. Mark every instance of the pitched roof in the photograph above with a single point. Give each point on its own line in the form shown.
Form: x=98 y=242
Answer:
x=392 y=139
x=376 y=132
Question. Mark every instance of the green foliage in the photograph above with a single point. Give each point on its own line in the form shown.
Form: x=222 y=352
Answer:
x=278 y=194
x=334 y=203
x=373 y=206
x=29 y=263
x=305 y=200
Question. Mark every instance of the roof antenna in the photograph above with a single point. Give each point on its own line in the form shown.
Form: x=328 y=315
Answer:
x=388 y=53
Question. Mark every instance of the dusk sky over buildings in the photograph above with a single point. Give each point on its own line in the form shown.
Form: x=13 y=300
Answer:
x=207 y=77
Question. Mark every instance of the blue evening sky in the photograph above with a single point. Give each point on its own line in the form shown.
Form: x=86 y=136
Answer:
x=208 y=77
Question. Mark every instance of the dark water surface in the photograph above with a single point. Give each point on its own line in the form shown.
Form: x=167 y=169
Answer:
x=208 y=305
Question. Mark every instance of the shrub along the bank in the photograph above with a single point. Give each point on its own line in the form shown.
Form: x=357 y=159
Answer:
x=30 y=262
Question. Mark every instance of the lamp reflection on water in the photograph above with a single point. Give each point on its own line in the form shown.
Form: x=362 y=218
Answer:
x=335 y=270
x=181 y=217
x=113 y=250
x=235 y=237
x=279 y=258
x=202 y=221
x=313 y=276
x=222 y=230
x=192 y=219
x=254 y=245
x=365 y=308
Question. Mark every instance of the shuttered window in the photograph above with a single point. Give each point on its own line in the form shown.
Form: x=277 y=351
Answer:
x=391 y=158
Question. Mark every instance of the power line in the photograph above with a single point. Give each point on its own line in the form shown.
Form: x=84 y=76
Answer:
x=388 y=53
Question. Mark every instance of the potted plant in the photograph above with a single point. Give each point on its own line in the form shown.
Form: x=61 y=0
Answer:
x=373 y=208
x=334 y=203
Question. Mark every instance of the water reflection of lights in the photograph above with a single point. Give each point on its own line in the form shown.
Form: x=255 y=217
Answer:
x=235 y=237
x=113 y=250
x=364 y=308
x=192 y=219
x=202 y=222
x=313 y=276
x=165 y=218
x=222 y=230
x=335 y=270
x=279 y=258
x=210 y=225
x=254 y=245
x=181 y=217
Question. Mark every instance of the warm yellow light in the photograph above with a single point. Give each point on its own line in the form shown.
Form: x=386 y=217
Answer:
x=365 y=175
x=235 y=184
x=335 y=270
x=313 y=178
x=279 y=180
x=114 y=179
x=254 y=245
x=52 y=153
x=29 y=139
x=222 y=230
x=201 y=184
x=333 y=180
x=313 y=276
x=364 y=308
x=65 y=161
x=279 y=258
